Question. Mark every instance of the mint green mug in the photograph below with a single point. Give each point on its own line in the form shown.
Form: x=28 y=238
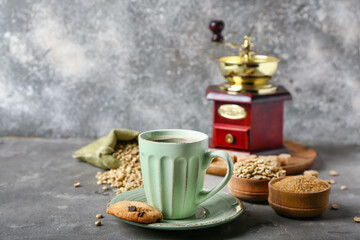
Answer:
x=173 y=166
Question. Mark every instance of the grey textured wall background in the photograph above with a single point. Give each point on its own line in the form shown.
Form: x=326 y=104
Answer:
x=80 y=68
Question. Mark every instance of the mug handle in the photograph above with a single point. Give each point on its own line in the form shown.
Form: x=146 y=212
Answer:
x=209 y=156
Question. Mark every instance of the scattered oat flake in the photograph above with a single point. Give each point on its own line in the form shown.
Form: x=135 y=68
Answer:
x=333 y=173
x=105 y=187
x=343 y=187
x=77 y=184
x=357 y=219
x=97 y=223
x=98 y=216
x=334 y=207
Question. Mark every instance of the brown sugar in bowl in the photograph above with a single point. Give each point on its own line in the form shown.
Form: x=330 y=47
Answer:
x=298 y=204
x=251 y=190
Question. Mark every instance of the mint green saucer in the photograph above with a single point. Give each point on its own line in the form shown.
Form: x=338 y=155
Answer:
x=219 y=209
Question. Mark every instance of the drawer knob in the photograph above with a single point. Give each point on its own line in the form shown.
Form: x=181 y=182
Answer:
x=229 y=138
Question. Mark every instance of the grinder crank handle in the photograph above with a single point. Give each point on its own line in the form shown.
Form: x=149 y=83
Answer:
x=216 y=26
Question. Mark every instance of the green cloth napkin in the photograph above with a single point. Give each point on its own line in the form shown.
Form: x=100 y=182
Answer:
x=99 y=152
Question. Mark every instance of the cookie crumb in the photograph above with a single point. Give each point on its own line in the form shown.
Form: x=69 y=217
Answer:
x=105 y=187
x=334 y=207
x=77 y=184
x=333 y=173
x=357 y=219
x=97 y=223
x=98 y=216
x=343 y=187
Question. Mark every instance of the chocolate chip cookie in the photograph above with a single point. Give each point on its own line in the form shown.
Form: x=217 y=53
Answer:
x=135 y=212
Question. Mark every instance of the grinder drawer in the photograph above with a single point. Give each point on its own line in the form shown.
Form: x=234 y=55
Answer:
x=230 y=136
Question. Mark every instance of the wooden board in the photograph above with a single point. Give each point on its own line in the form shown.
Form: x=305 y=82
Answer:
x=302 y=158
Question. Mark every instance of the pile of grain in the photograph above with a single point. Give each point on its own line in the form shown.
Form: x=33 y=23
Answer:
x=301 y=184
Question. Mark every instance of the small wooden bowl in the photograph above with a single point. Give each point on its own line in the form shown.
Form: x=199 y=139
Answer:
x=298 y=205
x=251 y=190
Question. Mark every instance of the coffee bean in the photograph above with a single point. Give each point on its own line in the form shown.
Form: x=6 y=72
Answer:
x=132 y=209
x=334 y=207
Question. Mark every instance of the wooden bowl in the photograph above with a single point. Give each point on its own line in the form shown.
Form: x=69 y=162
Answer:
x=251 y=190
x=298 y=205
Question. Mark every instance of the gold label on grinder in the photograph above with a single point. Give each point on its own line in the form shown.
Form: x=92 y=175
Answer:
x=232 y=111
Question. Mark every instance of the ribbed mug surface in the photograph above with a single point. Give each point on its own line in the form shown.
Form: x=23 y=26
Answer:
x=173 y=173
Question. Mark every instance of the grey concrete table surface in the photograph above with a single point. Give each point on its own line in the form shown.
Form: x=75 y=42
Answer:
x=38 y=199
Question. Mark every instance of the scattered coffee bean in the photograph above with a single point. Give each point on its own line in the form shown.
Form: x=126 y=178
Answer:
x=128 y=175
x=98 y=216
x=141 y=214
x=334 y=207
x=97 y=223
x=77 y=184
x=343 y=187
x=333 y=173
x=332 y=181
x=357 y=219
x=311 y=173
x=132 y=209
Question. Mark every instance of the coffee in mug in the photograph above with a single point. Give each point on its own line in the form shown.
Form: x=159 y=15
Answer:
x=173 y=139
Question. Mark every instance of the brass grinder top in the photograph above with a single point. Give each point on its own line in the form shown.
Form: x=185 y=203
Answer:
x=246 y=72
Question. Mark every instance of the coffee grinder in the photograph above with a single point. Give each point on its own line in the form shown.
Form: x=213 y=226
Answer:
x=248 y=110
